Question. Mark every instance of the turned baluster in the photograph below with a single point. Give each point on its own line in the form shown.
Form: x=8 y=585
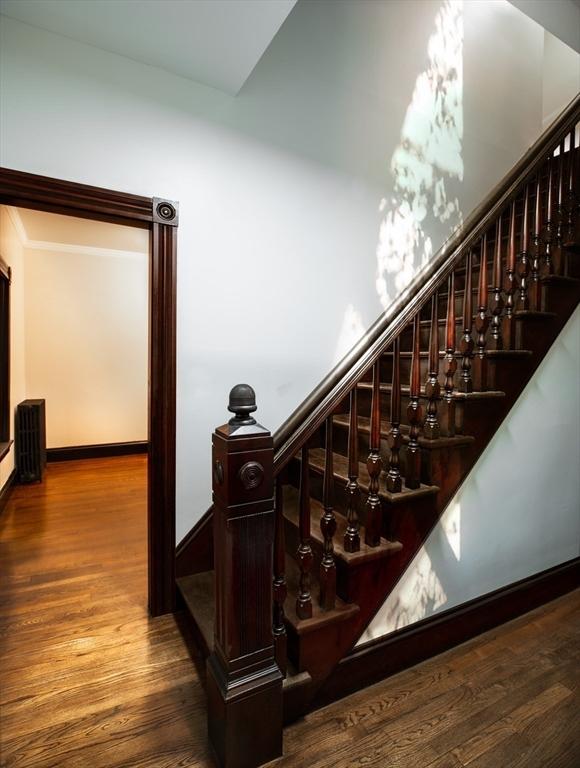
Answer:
x=481 y=321
x=524 y=258
x=431 y=428
x=304 y=553
x=496 y=340
x=414 y=412
x=395 y=439
x=374 y=466
x=279 y=584
x=467 y=343
x=351 y=535
x=570 y=195
x=559 y=234
x=509 y=320
x=535 y=298
x=450 y=361
x=548 y=226
x=328 y=528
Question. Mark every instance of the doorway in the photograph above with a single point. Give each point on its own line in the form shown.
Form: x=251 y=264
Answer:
x=160 y=218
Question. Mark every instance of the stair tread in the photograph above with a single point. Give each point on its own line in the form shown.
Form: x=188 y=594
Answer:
x=198 y=591
x=516 y=353
x=562 y=279
x=341 y=612
x=317 y=458
x=534 y=314
x=291 y=512
x=364 y=425
x=405 y=390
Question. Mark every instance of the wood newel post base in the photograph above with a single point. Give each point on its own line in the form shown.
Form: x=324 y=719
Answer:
x=244 y=683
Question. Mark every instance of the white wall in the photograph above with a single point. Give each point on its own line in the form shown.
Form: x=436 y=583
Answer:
x=281 y=187
x=86 y=321
x=518 y=511
x=561 y=75
x=12 y=253
x=561 y=17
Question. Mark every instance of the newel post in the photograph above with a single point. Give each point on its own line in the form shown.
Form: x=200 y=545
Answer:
x=244 y=683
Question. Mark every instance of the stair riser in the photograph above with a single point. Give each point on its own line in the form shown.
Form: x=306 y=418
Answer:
x=364 y=408
x=431 y=458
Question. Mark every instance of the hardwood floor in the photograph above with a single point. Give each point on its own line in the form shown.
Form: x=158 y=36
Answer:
x=88 y=680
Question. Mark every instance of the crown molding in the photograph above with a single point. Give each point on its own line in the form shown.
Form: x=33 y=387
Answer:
x=82 y=250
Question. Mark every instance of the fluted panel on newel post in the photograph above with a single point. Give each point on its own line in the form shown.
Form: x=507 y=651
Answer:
x=431 y=428
x=395 y=439
x=304 y=553
x=450 y=360
x=414 y=412
x=279 y=584
x=374 y=466
x=508 y=319
x=537 y=248
x=524 y=257
x=327 y=576
x=481 y=323
x=497 y=303
x=351 y=535
x=467 y=344
x=244 y=682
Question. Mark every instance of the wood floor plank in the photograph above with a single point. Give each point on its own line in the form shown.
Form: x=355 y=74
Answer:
x=89 y=680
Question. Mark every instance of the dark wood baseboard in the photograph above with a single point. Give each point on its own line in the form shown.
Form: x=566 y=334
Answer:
x=6 y=490
x=194 y=553
x=74 y=452
x=409 y=646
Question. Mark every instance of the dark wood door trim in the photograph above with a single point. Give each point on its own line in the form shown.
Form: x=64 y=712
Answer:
x=160 y=217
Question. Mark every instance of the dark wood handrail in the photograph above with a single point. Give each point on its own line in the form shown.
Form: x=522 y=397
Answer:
x=303 y=422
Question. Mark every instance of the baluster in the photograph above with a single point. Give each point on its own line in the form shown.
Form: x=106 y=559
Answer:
x=467 y=344
x=395 y=439
x=509 y=324
x=328 y=528
x=450 y=361
x=351 y=535
x=304 y=554
x=559 y=237
x=414 y=412
x=535 y=298
x=496 y=341
x=548 y=226
x=431 y=428
x=374 y=466
x=570 y=196
x=481 y=320
x=524 y=260
x=279 y=584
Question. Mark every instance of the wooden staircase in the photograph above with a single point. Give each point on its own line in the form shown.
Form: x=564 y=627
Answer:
x=364 y=469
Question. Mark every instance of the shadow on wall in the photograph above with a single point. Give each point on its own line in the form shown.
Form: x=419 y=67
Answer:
x=426 y=168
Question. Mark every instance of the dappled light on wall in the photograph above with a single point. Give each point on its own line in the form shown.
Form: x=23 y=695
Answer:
x=426 y=160
x=420 y=594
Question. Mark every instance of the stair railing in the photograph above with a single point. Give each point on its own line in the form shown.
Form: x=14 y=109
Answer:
x=514 y=239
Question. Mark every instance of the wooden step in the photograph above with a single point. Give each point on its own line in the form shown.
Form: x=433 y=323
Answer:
x=364 y=426
x=341 y=612
x=198 y=592
x=462 y=396
x=317 y=457
x=291 y=512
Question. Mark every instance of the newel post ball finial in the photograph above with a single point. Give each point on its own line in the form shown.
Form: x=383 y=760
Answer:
x=242 y=404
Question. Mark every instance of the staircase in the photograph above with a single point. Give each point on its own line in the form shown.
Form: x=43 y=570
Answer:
x=363 y=470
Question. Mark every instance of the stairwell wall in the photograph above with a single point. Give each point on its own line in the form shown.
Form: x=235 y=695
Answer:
x=518 y=511
x=297 y=222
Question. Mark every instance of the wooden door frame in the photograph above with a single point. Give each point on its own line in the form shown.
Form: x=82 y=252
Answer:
x=160 y=217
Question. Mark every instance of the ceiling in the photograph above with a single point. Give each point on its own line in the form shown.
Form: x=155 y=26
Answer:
x=215 y=42
x=51 y=231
